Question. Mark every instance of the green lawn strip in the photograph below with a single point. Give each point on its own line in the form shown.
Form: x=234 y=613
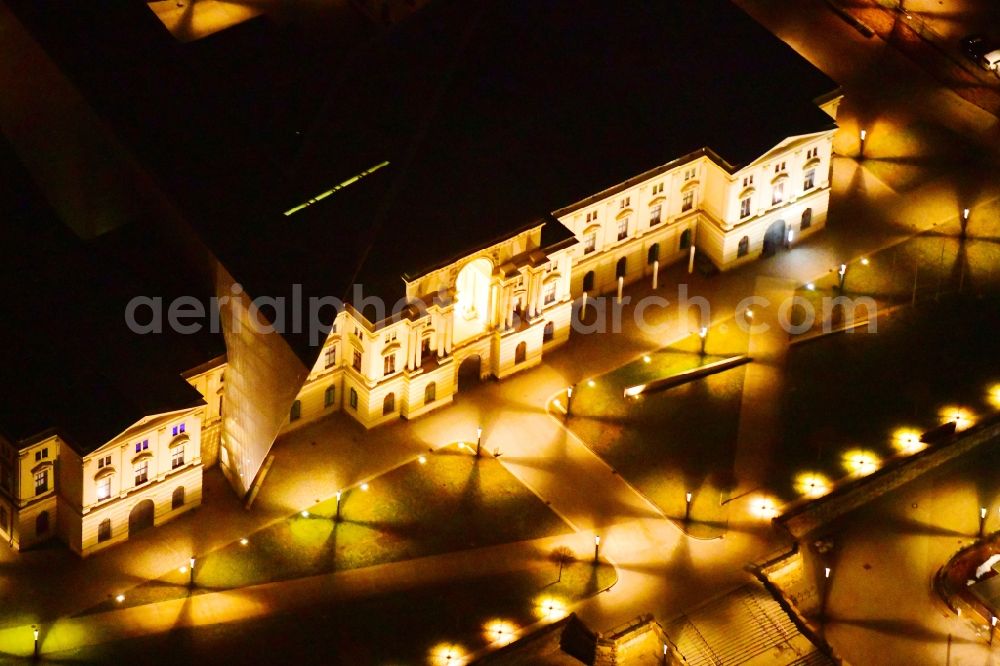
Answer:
x=938 y=265
x=852 y=391
x=401 y=627
x=842 y=393
x=453 y=502
x=669 y=439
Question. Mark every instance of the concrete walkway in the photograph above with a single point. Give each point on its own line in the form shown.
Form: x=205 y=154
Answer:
x=924 y=161
x=248 y=603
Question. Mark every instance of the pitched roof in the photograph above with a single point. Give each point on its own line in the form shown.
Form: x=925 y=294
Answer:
x=70 y=363
x=489 y=114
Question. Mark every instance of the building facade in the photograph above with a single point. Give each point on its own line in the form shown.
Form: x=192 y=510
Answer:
x=699 y=203
x=491 y=313
x=148 y=475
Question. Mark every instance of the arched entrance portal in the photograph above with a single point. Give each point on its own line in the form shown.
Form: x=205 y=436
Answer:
x=472 y=309
x=774 y=238
x=141 y=517
x=468 y=372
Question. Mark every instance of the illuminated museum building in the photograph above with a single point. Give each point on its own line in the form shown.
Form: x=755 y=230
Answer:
x=448 y=172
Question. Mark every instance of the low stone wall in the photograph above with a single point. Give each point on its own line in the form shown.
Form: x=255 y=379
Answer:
x=637 y=642
x=808 y=517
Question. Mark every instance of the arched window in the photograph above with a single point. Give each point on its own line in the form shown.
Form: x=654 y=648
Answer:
x=744 y=247
x=389 y=404
x=296 y=412
x=685 y=239
x=588 y=281
x=807 y=218
x=177 y=498
x=520 y=352
x=549 y=331
x=653 y=254
x=620 y=268
x=329 y=396
x=42 y=523
x=430 y=393
x=104 y=530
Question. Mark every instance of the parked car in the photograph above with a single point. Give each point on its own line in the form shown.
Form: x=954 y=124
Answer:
x=981 y=50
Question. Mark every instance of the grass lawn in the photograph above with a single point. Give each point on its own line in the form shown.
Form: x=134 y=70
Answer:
x=408 y=627
x=843 y=393
x=939 y=266
x=452 y=502
x=667 y=441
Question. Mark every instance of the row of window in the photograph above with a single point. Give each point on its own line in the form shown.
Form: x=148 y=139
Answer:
x=655 y=217
x=141 y=471
x=778 y=193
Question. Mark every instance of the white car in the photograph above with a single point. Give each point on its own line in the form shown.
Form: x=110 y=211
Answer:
x=991 y=61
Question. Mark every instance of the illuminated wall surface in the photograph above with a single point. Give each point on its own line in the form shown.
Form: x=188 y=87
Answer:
x=262 y=379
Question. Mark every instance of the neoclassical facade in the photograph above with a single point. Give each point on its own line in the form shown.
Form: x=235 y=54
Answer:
x=495 y=311
x=699 y=203
x=491 y=313
x=147 y=475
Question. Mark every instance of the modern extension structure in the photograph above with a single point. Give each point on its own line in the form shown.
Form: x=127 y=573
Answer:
x=457 y=181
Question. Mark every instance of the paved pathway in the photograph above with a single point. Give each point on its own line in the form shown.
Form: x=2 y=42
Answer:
x=925 y=160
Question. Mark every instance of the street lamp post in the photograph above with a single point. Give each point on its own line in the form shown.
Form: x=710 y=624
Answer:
x=864 y=136
x=597 y=548
x=703 y=334
x=993 y=626
x=569 y=399
x=842 y=276
x=982 y=521
x=336 y=516
x=479 y=439
x=687 y=506
x=191 y=571
x=34 y=629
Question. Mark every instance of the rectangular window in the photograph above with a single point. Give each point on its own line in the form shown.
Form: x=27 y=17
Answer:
x=104 y=462
x=810 y=180
x=657 y=188
x=778 y=194
x=592 y=216
x=177 y=458
x=357 y=360
x=550 y=292
x=626 y=202
x=104 y=530
x=41 y=481
x=748 y=181
x=41 y=455
x=654 y=215
x=103 y=488
x=354 y=399
x=687 y=201
x=623 y=229
x=331 y=356
x=589 y=243
x=389 y=364
x=329 y=396
x=745 y=207
x=141 y=473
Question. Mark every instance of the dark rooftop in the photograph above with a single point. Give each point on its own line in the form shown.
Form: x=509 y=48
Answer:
x=70 y=363
x=489 y=114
